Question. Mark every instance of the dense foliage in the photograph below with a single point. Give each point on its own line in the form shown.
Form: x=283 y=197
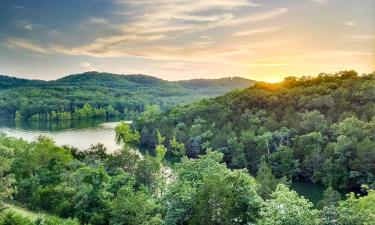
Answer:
x=320 y=129
x=94 y=94
x=93 y=187
x=222 y=161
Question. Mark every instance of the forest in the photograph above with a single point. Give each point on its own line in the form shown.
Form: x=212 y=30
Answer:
x=314 y=128
x=94 y=187
x=224 y=160
x=102 y=95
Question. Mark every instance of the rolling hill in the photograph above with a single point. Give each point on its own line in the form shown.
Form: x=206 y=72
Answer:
x=123 y=93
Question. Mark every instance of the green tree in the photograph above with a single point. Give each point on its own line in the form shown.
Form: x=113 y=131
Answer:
x=357 y=210
x=53 y=220
x=6 y=178
x=268 y=182
x=124 y=134
x=283 y=163
x=92 y=199
x=285 y=207
x=18 y=116
x=206 y=192
x=330 y=198
x=313 y=121
x=132 y=207
x=12 y=218
x=177 y=149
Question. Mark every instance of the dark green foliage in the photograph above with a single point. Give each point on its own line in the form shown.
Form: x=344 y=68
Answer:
x=330 y=198
x=99 y=188
x=319 y=129
x=99 y=95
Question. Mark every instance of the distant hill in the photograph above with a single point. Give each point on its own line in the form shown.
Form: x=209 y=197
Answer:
x=320 y=129
x=100 y=90
x=216 y=86
x=11 y=82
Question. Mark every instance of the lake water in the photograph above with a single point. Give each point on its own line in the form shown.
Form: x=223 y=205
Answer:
x=79 y=134
x=83 y=134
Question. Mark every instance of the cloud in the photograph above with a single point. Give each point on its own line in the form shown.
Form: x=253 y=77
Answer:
x=28 y=27
x=257 y=17
x=349 y=23
x=360 y=38
x=192 y=5
x=164 y=30
x=25 y=44
x=87 y=66
x=97 y=21
x=255 y=31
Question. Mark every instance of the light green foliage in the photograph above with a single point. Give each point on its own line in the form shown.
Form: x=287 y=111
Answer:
x=285 y=207
x=177 y=149
x=160 y=152
x=150 y=114
x=160 y=148
x=357 y=210
x=124 y=134
x=11 y=218
x=6 y=178
x=206 y=192
x=52 y=220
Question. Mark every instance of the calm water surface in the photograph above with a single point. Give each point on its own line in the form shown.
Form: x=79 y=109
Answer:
x=79 y=134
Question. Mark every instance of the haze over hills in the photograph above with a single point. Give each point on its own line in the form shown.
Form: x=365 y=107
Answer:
x=101 y=90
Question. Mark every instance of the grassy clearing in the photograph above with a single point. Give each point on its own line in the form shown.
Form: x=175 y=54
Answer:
x=25 y=212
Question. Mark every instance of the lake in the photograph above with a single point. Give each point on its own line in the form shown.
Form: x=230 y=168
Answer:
x=79 y=134
x=83 y=134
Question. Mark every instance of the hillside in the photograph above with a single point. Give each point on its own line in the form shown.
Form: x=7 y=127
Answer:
x=319 y=129
x=113 y=94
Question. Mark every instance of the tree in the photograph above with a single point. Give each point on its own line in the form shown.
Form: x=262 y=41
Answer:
x=283 y=164
x=357 y=210
x=111 y=112
x=92 y=199
x=285 y=207
x=6 y=178
x=206 y=192
x=12 y=218
x=53 y=220
x=330 y=198
x=160 y=148
x=124 y=135
x=268 y=182
x=18 y=116
x=309 y=150
x=177 y=149
x=313 y=121
x=132 y=207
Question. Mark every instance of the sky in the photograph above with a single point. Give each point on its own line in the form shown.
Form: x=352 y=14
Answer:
x=184 y=39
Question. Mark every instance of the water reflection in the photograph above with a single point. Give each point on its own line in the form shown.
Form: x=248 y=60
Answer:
x=80 y=134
